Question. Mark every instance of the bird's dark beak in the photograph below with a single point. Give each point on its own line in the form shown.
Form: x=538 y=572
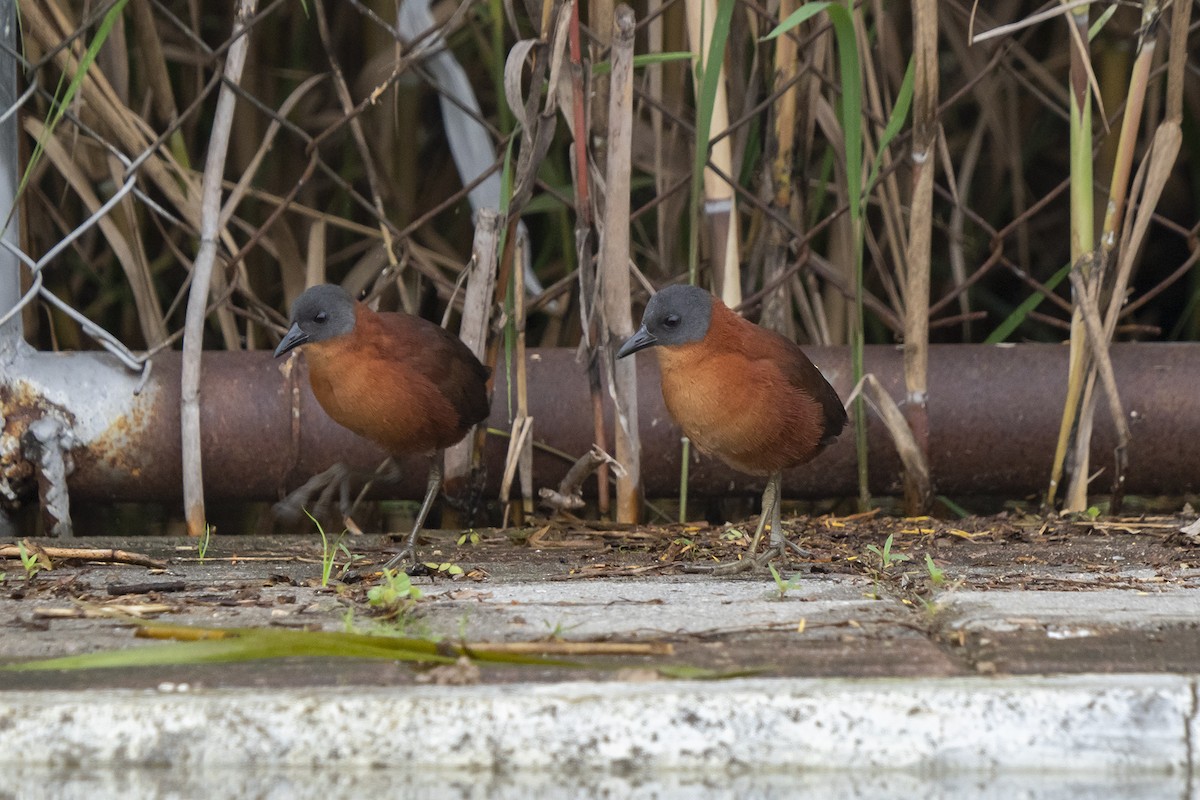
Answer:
x=639 y=341
x=293 y=338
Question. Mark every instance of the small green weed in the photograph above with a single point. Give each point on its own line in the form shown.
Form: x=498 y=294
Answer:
x=886 y=557
x=205 y=541
x=350 y=557
x=937 y=575
x=31 y=560
x=328 y=551
x=469 y=537
x=446 y=568
x=558 y=629
x=780 y=584
x=395 y=590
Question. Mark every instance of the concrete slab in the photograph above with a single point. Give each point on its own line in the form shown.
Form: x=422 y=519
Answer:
x=1067 y=612
x=1080 y=724
x=1112 y=630
x=667 y=606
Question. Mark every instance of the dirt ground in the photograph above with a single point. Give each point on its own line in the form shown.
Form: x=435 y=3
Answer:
x=854 y=607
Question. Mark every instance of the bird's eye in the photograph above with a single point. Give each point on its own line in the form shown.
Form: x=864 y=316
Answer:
x=321 y=317
x=672 y=321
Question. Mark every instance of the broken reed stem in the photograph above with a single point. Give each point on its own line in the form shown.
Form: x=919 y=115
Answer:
x=1085 y=297
x=614 y=264
x=475 y=325
x=202 y=273
x=911 y=456
x=569 y=495
x=524 y=453
x=918 y=494
x=104 y=554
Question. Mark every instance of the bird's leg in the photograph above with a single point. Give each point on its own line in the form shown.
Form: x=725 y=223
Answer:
x=777 y=538
x=410 y=545
x=770 y=510
x=779 y=543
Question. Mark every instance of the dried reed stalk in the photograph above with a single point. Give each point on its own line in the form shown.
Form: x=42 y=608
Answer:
x=202 y=273
x=614 y=265
x=476 y=322
x=586 y=265
x=918 y=493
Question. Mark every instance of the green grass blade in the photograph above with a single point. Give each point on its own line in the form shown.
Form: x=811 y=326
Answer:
x=643 y=61
x=797 y=17
x=851 y=117
x=1014 y=320
x=225 y=645
x=894 y=124
x=251 y=645
x=63 y=102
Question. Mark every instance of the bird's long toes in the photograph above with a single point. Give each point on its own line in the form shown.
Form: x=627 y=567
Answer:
x=406 y=557
x=290 y=508
x=735 y=567
x=797 y=549
x=773 y=551
x=781 y=546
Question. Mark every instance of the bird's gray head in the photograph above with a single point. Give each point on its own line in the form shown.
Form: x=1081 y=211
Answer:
x=322 y=313
x=676 y=315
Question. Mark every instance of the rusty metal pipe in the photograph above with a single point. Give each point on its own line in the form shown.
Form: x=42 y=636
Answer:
x=993 y=414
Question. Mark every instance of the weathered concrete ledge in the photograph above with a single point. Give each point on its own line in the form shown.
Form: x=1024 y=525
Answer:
x=1118 y=725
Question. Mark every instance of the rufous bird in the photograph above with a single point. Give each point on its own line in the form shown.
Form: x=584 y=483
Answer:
x=740 y=392
x=401 y=381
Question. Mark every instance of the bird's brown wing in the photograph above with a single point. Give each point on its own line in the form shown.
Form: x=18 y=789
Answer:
x=441 y=357
x=802 y=374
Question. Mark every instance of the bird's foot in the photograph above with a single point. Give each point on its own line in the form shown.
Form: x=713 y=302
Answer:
x=778 y=549
x=403 y=560
x=317 y=493
x=781 y=548
x=782 y=545
x=724 y=567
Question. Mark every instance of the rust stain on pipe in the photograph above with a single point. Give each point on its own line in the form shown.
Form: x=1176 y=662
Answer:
x=993 y=418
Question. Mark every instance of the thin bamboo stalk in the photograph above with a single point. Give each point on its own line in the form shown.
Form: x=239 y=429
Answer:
x=202 y=273
x=614 y=261
x=777 y=311
x=720 y=210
